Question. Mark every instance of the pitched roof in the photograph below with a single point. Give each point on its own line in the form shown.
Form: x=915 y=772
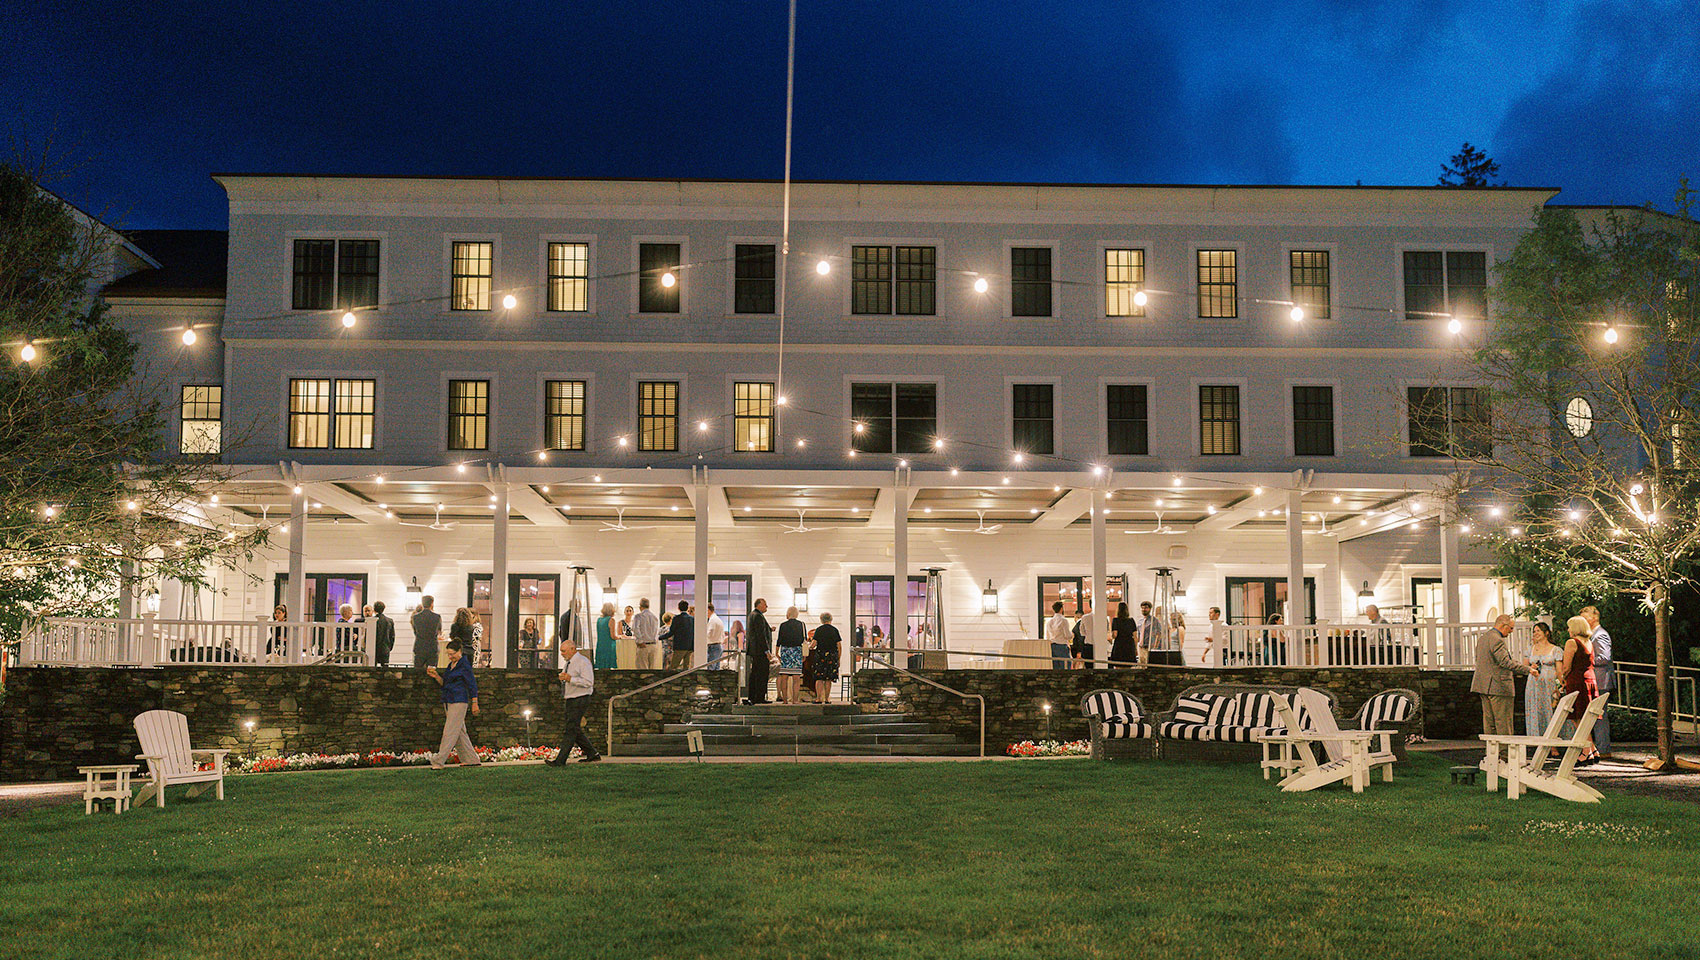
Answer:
x=193 y=263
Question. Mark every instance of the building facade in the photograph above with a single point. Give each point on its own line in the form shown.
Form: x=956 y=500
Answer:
x=1032 y=389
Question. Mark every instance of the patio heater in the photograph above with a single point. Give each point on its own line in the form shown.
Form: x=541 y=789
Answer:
x=1166 y=595
x=576 y=623
x=932 y=623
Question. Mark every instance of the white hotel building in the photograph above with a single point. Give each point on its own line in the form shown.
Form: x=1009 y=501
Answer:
x=971 y=381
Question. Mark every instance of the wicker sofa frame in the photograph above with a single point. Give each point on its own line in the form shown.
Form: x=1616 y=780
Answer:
x=1215 y=750
x=1118 y=748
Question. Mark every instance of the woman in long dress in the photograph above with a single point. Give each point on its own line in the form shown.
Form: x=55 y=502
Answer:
x=1124 y=639
x=1542 y=689
x=607 y=654
x=1578 y=669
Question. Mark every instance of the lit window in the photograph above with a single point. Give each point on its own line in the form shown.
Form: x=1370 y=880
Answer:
x=1219 y=420
x=752 y=417
x=1579 y=417
x=1218 y=284
x=202 y=425
x=569 y=277
x=469 y=414
x=1124 y=276
x=332 y=413
x=563 y=402
x=658 y=415
x=471 y=274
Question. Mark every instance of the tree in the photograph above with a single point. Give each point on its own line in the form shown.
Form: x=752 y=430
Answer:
x=1587 y=462
x=1470 y=167
x=89 y=502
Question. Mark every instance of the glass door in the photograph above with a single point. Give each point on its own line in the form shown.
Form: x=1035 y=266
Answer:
x=533 y=617
x=326 y=593
x=1253 y=600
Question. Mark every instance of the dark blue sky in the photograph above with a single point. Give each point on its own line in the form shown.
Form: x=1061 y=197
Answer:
x=139 y=102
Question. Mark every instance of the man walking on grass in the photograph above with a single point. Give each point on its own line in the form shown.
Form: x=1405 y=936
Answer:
x=577 y=682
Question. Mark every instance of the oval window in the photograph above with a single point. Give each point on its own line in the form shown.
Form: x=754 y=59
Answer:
x=1579 y=417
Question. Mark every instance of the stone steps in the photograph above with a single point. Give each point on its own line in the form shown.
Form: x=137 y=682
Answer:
x=809 y=729
x=724 y=739
x=678 y=749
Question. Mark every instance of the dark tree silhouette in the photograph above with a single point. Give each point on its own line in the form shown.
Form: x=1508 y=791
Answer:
x=1470 y=167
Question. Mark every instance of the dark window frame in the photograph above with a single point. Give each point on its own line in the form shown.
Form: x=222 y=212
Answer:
x=469 y=290
x=893 y=280
x=1123 y=288
x=1310 y=281
x=755 y=273
x=207 y=409
x=1448 y=421
x=1313 y=420
x=894 y=418
x=655 y=259
x=658 y=416
x=1031 y=280
x=560 y=420
x=477 y=417
x=1134 y=421
x=1444 y=283
x=1217 y=275
x=1219 y=407
x=562 y=284
x=743 y=403
x=1032 y=408
x=338 y=421
x=344 y=273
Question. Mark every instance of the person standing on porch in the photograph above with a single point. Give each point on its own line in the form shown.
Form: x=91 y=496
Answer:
x=427 y=630
x=1059 y=635
x=683 y=631
x=1146 y=630
x=383 y=640
x=646 y=632
x=792 y=636
x=578 y=680
x=607 y=656
x=758 y=650
x=1124 y=639
x=1495 y=679
x=827 y=653
x=714 y=631
x=460 y=695
x=1213 y=617
x=1604 y=673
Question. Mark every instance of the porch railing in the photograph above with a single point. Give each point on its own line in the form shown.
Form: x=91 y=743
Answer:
x=149 y=642
x=1430 y=644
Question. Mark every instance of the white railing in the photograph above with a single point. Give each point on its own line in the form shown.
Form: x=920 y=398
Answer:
x=147 y=642
x=1428 y=643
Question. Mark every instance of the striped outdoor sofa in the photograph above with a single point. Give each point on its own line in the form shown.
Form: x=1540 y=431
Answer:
x=1397 y=709
x=1120 y=728
x=1220 y=721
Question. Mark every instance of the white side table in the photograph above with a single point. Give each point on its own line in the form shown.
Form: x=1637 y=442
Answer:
x=111 y=782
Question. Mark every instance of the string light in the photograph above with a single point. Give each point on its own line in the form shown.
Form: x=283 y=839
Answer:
x=1611 y=334
x=1257 y=491
x=130 y=505
x=938 y=443
x=621 y=441
x=1575 y=514
x=1018 y=458
x=509 y=302
x=1454 y=326
x=823 y=268
x=28 y=353
x=702 y=426
x=189 y=336
x=981 y=286
x=667 y=279
x=1140 y=298
x=348 y=320
x=460 y=468
x=48 y=511
x=1297 y=313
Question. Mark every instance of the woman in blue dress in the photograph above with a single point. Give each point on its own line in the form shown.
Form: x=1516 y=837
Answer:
x=1542 y=687
x=607 y=657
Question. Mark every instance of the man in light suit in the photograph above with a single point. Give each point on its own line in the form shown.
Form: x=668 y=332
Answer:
x=1495 y=678
x=1603 y=672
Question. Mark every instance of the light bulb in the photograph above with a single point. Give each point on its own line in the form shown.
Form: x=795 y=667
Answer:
x=954 y=471
x=1210 y=509
x=509 y=302
x=297 y=489
x=938 y=443
x=1140 y=299
x=1635 y=490
x=1454 y=327
x=1006 y=481
x=378 y=479
x=621 y=441
x=27 y=353
x=823 y=268
x=1464 y=529
x=1575 y=514
x=1297 y=313
x=542 y=456
x=1495 y=511
x=1174 y=481
x=1257 y=491
x=801 y=443
x=214 y=498
x=348 y=319
x=782 y=400
x=48 y=511
x=667 y=279
x=1611 y=334
x=903 y=463
x=859 y=427
x=189 y=336
x=1336 y=499
x=981 y=286
x=1097 y=470
x=702 y=426
x=1018 y=457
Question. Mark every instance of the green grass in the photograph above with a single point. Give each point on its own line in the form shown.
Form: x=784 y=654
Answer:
x=1051 y=859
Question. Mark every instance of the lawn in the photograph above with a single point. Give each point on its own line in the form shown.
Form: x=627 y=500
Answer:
x=1051 y=859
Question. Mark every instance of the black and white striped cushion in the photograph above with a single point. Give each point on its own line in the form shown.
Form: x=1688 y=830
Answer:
x=1387 y=708
x=1205 y=708
x=1125 y=727
x=1182 y=730
x=1247 y=734
x=1256 y=710
x=1111 y=703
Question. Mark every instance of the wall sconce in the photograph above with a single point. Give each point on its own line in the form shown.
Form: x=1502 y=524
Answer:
x=1366 y=596
x=414 y=587
x=989 y=599
x=609 y=594
x=152 y=601
x=800 y=597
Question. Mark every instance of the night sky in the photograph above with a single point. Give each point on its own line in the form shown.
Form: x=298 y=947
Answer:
x=138 y=103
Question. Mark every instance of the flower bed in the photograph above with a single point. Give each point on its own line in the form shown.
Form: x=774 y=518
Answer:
x=376 y=758
x=1050 y=748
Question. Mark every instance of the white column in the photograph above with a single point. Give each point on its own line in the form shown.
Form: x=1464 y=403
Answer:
x=704 y=593
x=297 y=595
x=1100 y=575
x=497 y=639
x=900 y=570
x=1449 y=573
x=1297 y=611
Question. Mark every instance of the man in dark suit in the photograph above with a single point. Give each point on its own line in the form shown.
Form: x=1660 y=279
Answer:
x=384 y=637
x=683 y=632
x=427 y=628
x=758 y=645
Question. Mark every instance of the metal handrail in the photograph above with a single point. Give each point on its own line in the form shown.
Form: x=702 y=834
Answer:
x=991 y=653
x=935 y=683
x=1623 y=670
x=652 y=686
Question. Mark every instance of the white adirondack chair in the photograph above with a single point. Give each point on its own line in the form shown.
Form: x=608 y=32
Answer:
x=1339 y=766
x=164 y=736
x=1530 y=773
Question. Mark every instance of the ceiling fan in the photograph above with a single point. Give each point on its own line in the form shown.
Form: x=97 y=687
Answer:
x=619 y=523
x=979 y=527
x=801 y=526
x=436 y=524
x=1160 y=528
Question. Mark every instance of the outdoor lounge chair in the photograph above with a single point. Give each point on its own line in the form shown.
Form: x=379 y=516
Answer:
x=1398 y=709
x=164 y=736
x=1120 y=730
x=1530 y=772
x=1308 y=773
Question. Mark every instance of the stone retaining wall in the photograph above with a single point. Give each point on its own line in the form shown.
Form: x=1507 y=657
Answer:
x=1015 y=699
x=55 y=719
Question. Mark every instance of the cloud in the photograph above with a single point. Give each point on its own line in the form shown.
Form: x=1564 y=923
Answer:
x=1617 y=119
